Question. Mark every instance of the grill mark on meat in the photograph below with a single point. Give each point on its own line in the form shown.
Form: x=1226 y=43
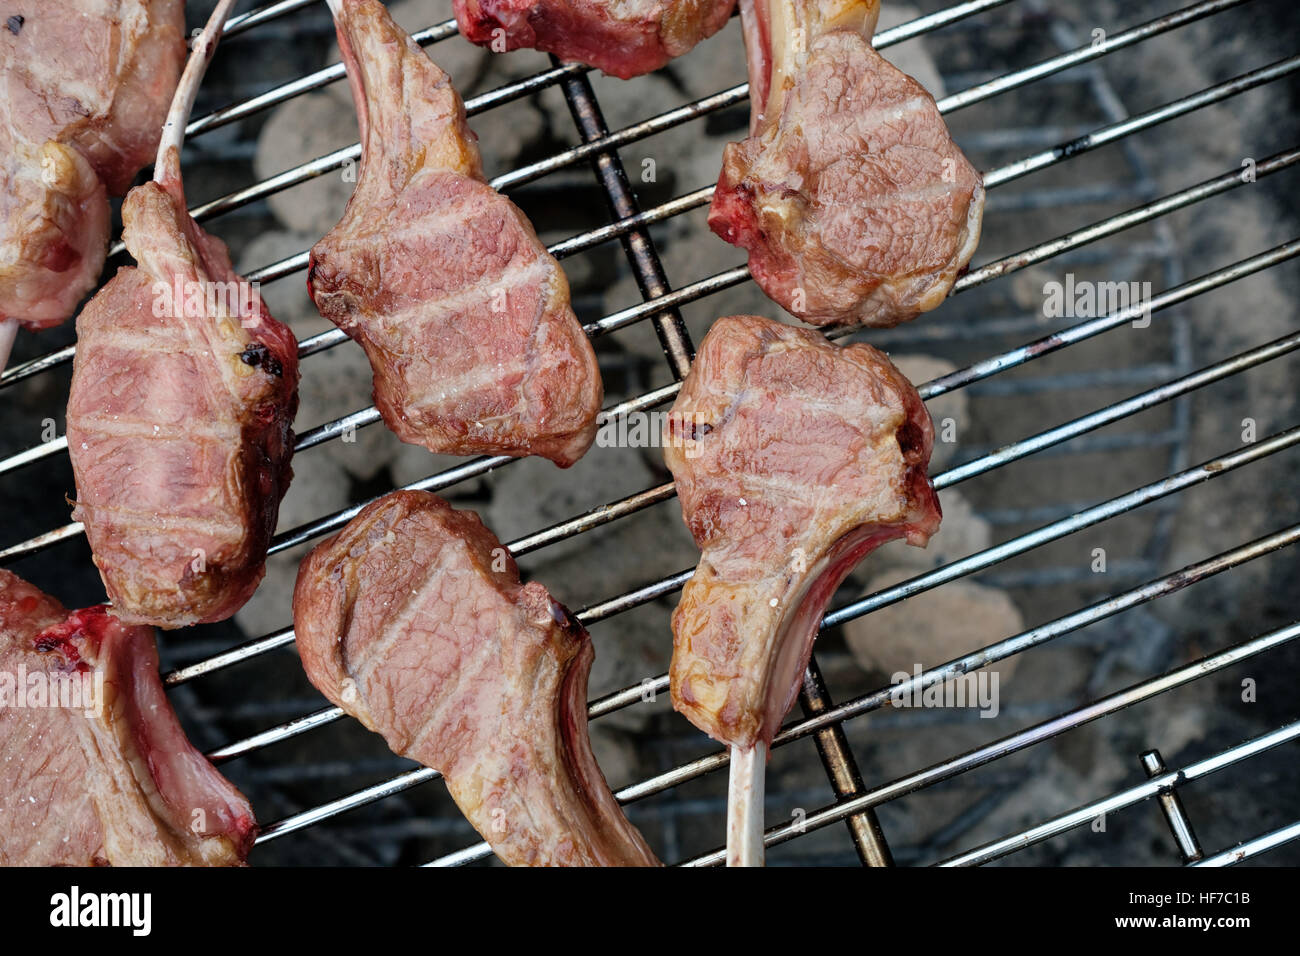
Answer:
x=921 y=196
x=464 y=299
x=808 y=401
x=534 y=367
x=210 y=527
x=760 y=488
x=450 y=214
x=450 y=391
x=200 y=431
x=461 y=677
x=360 y=666
x=472 y=382
x=156 y=341
x=865 y=123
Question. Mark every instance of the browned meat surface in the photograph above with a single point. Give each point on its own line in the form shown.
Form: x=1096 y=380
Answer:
x=413 y=620
x=184 y=390
x=852 y=200
x=84 y=87
x=464 y=315
x=623 y=38
x=94 y=767
x=794 y=458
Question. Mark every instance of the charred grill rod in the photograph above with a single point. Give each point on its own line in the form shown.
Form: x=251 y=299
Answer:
x=1171 y=805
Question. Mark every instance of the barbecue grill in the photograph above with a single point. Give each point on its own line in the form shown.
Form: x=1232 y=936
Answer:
x=328 y=792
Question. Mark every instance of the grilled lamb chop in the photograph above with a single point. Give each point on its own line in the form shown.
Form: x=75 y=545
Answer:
x=183 y=392
x=84 y=88
x=794 y=458
x=413 y=620
x=463 y=314
x=623 y=38
x=852 y=200
x=106 y=776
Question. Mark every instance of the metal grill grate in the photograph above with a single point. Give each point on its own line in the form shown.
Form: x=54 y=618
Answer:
x=1167 y=383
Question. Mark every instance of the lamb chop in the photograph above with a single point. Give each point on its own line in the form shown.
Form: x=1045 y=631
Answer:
x=183 y=392
x=852 y=200
x=94 y=767
x=463 y=314
x=84 y=87
x=623 y=38
x=412 y=619
x=794 y=458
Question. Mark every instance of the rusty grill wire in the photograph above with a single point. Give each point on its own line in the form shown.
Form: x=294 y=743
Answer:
x=822 y=718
